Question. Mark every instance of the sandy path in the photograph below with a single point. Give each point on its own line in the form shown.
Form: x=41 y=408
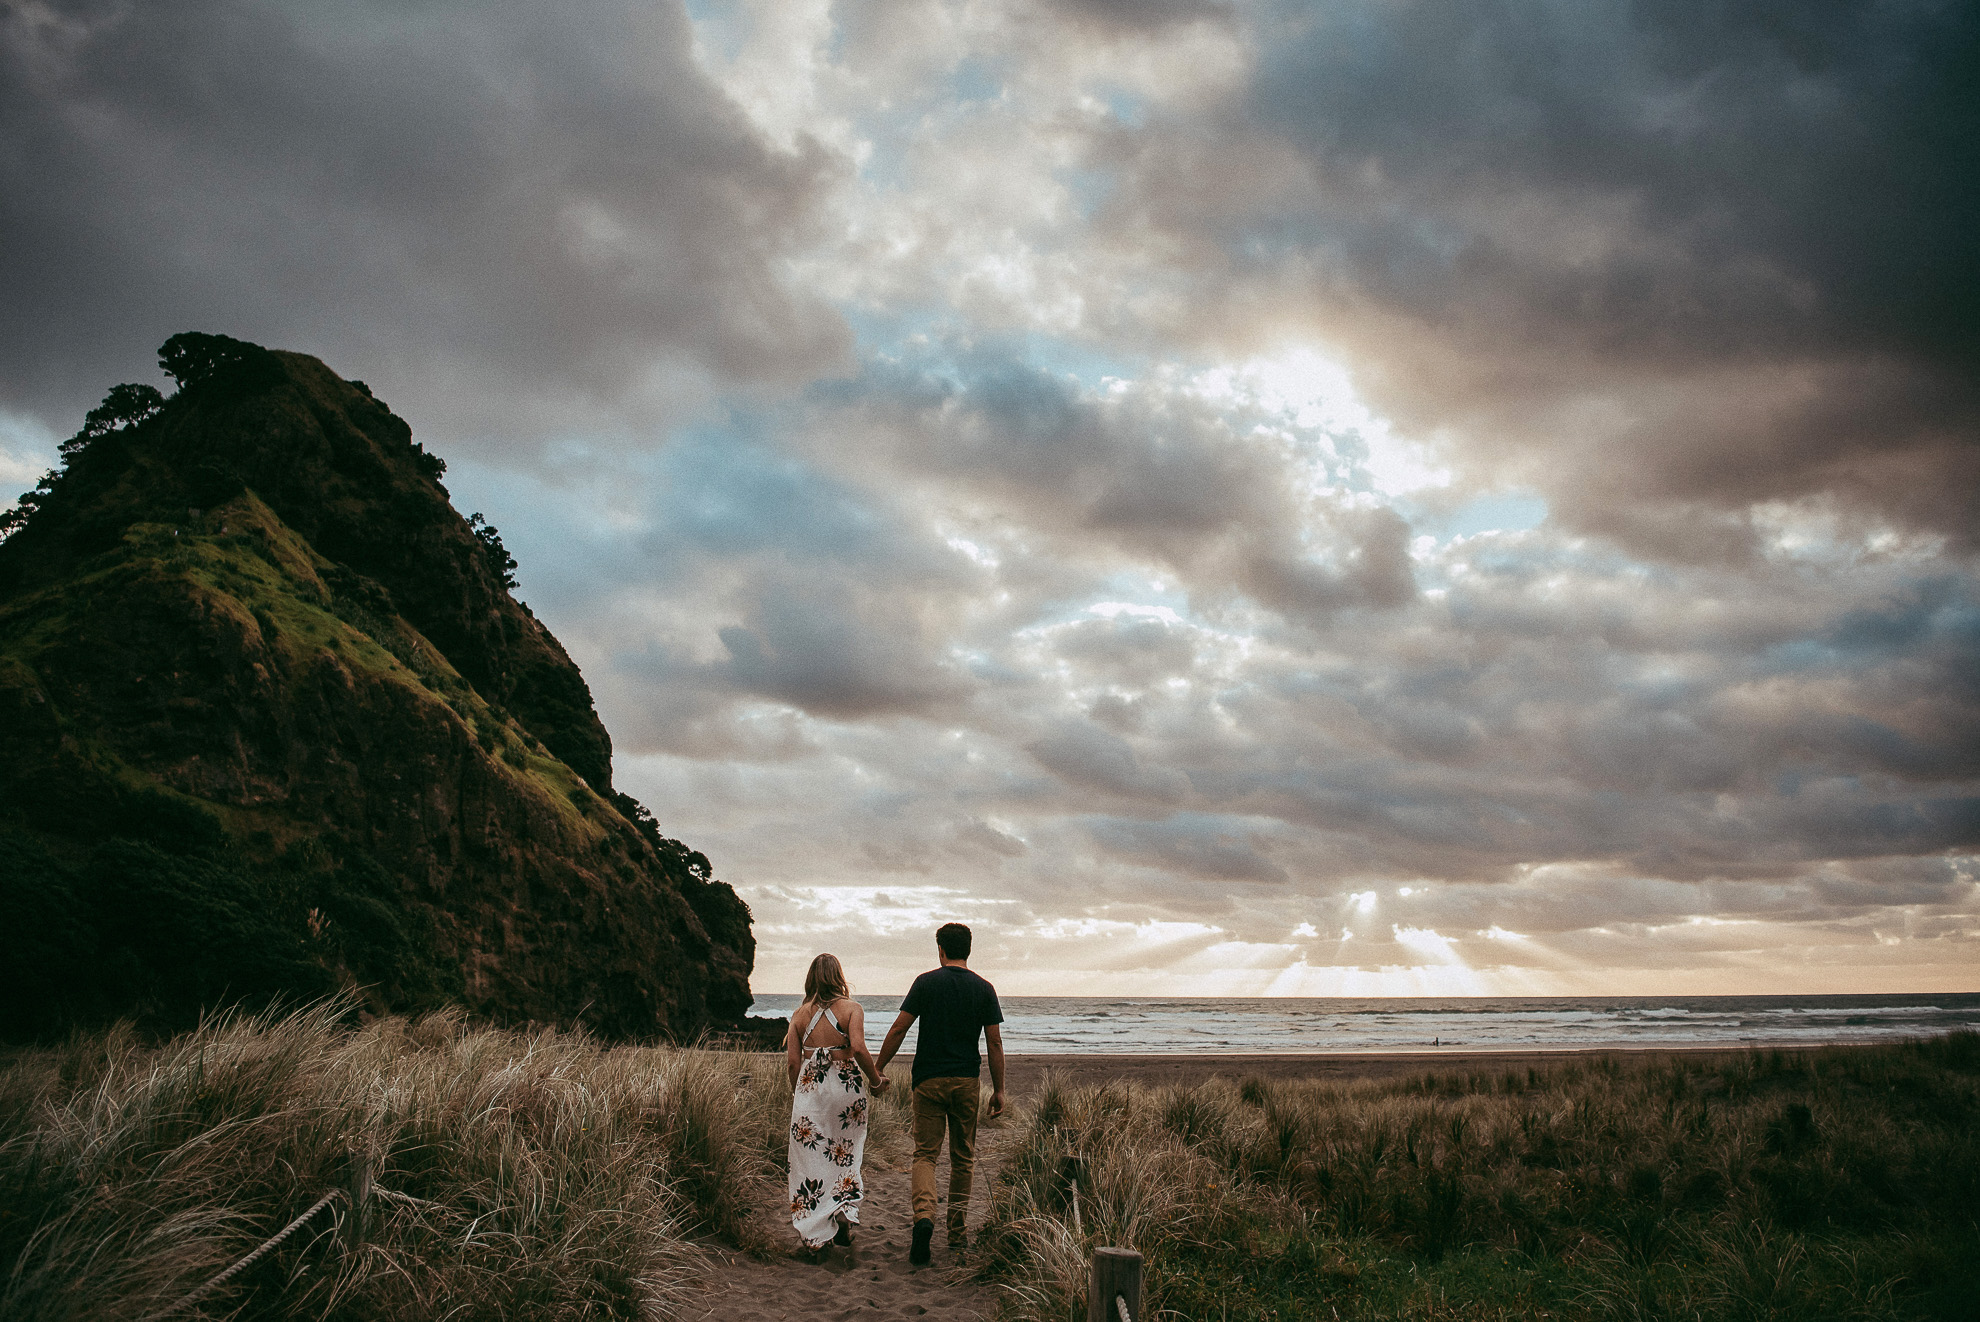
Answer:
x=871 y=1280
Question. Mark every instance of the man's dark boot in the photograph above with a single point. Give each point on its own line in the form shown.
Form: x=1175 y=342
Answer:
x=924 y=1231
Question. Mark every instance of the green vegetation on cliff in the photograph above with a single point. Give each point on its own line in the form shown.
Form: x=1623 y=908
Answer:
x=272 y=725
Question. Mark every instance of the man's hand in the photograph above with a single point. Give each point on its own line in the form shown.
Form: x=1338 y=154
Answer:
x=895 y=1036
x=993 y=1038
x=881 y=1085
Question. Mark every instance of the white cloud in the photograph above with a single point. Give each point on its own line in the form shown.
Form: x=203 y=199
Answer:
x=1108 y=610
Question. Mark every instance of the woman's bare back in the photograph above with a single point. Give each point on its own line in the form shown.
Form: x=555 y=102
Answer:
x=845 y=1010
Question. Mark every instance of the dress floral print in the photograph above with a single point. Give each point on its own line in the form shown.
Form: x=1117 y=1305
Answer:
x=828 y=1140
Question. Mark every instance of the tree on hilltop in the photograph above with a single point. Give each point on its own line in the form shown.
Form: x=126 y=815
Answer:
x=195 y=358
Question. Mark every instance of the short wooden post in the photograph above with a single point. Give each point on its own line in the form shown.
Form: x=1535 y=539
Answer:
x=1072 y=1171
x=1116 y=1273
x=359 y=1189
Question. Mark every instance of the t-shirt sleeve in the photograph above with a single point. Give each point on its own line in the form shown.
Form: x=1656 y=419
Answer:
x=916 y=1001
x=993 y=1013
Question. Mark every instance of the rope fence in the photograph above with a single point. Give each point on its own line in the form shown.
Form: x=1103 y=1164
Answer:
x=358 y=1194
x=328 y=1198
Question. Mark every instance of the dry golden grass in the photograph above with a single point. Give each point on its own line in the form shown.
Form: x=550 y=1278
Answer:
x=1839 y=1183
x=521 y=1174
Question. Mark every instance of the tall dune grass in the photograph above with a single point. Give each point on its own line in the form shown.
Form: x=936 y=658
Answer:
x=521 y=1174
x=1830 y=1184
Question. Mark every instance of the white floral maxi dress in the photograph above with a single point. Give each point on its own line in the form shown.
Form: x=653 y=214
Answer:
x=828 y=1140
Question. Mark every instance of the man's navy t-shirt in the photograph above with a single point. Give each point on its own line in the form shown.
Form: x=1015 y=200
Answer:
x=953 y=1005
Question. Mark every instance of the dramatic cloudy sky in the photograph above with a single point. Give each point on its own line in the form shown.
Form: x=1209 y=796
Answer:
x=1368 y=497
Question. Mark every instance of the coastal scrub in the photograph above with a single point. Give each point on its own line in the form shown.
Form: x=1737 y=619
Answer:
x=1839 y=1183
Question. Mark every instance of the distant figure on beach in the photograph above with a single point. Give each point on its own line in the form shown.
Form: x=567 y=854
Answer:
x=954 y=1006
x=830 y=1068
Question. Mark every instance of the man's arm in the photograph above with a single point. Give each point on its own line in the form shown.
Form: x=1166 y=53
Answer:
x=993 y=1039
x=895 y=1036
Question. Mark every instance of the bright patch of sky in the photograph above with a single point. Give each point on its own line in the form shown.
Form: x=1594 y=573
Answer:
x=975 y=79
x=1108 y=610
x=1302 y=389
x=27 y=450
x=1500 y=511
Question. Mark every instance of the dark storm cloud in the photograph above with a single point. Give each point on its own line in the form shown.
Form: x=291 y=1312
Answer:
x=1696 y=255
x=1780 y=150
x=491 y=212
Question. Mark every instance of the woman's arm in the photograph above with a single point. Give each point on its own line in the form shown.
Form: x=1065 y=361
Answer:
x=792 y=1053
x=856 y=1039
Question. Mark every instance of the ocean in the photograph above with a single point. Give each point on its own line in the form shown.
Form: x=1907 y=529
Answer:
x=1140 y=1024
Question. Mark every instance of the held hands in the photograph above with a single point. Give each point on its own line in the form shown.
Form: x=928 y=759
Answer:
x=881 y=1085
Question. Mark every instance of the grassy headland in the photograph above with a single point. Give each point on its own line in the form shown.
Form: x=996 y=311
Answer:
x=1837 y=1183
x=273 y=724
x=535 y=1175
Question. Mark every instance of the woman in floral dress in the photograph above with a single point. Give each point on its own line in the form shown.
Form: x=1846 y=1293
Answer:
x=831 y=1074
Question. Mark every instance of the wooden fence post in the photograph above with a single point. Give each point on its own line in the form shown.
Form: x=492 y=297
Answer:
x=360 y=1194
x=1116 y=1272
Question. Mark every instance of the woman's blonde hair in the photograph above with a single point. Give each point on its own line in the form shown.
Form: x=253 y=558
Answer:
x=826 y=981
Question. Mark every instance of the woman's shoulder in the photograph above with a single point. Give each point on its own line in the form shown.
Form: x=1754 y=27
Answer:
x=845 y=1003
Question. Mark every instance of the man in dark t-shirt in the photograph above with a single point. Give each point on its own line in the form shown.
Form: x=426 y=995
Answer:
x=954 y=1006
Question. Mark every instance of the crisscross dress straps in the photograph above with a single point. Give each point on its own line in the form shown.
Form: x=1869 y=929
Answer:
x=832 y=1019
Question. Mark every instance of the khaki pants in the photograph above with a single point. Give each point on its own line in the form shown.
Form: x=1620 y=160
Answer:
x=944 y=1105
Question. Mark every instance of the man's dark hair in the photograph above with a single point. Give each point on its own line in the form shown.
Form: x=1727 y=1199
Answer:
x=953 y=940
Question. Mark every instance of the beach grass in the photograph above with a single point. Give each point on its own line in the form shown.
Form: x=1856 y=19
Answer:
x=520 y=1174
x=1840 y=1183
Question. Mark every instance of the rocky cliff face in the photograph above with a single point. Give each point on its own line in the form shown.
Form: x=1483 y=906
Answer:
x=271 y=723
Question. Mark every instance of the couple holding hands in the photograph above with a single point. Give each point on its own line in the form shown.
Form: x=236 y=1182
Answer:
x=832 y=1074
